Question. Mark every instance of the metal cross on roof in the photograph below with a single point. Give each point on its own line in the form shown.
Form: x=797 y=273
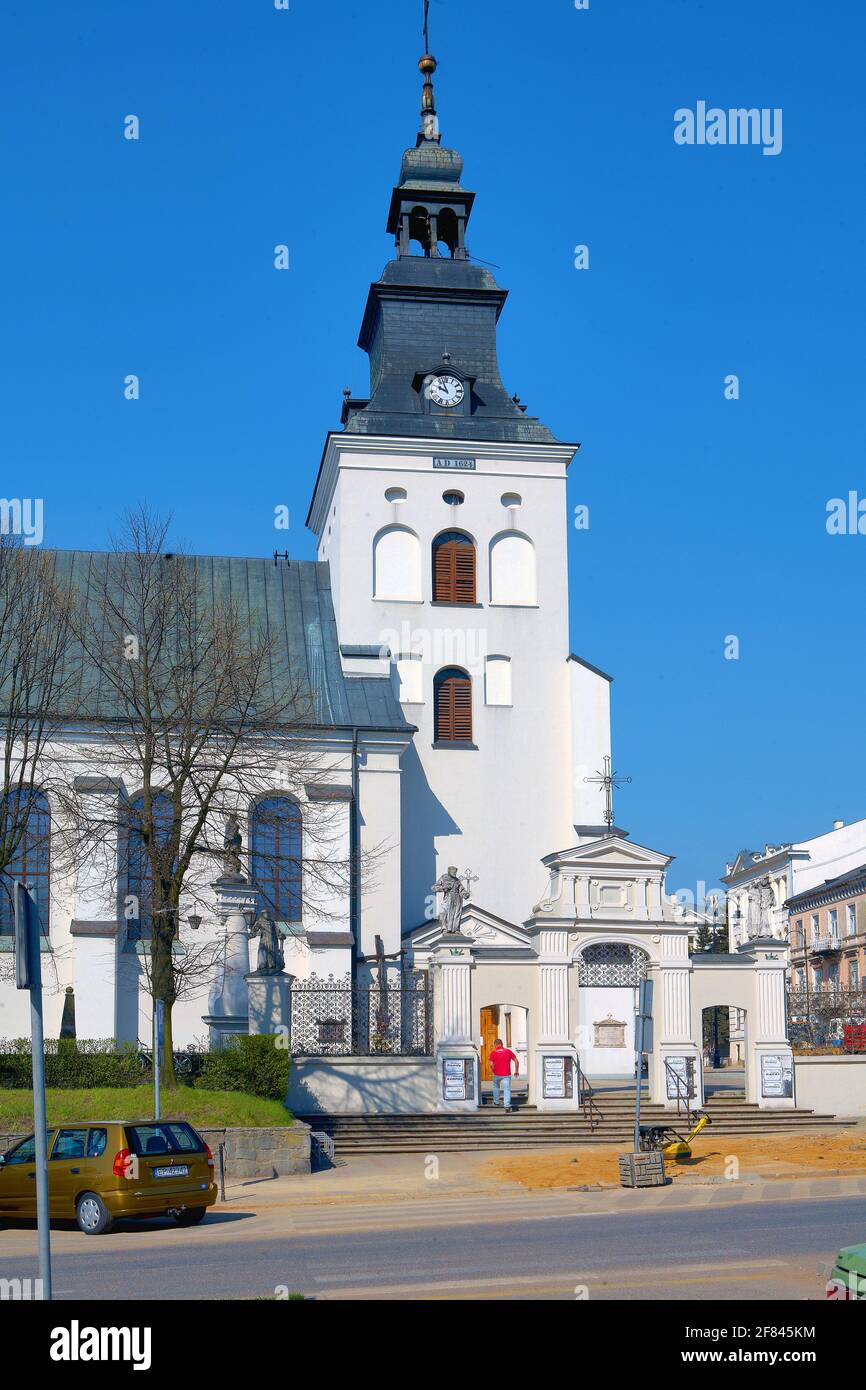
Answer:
x=468 y=879
x=426 y=26
x=608 y=780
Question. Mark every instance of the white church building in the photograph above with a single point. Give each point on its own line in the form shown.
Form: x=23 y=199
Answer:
x=458 y=729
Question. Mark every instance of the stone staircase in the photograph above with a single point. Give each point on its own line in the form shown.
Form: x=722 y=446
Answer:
x=533 y=1129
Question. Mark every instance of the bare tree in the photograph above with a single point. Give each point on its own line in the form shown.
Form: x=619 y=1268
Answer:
x=37 y=690
x=201 y=715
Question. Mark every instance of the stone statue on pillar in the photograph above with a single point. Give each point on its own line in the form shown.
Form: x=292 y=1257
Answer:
x=270 y=960
x=232 y=843
x=760 y=907
x=454 y=896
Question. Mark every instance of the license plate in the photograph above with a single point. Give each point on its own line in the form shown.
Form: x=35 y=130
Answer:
x=174 y=1170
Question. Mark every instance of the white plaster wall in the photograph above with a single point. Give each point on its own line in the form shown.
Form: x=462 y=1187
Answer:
x=831 y=1085
x=477 y=809
x=594 y=1004
x=590 y=741
x=362 y=1085
x=830 y=855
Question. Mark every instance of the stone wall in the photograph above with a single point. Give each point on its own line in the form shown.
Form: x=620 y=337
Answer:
x=250 y=1153
x=831 y=1085
x=362 y=1086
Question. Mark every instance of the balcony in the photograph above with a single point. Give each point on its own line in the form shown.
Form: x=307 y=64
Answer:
x=825 y=946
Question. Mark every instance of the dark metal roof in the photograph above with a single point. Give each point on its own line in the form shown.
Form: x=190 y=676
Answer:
x=290 y=599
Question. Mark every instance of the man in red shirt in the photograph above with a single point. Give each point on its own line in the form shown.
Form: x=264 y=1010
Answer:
x=501 y=1058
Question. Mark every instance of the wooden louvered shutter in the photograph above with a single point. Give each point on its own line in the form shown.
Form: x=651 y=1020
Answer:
x=454 y=571
x=453 y=709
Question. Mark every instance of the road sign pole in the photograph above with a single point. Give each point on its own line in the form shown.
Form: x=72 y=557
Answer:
x=29 y=976
x=158 y=1034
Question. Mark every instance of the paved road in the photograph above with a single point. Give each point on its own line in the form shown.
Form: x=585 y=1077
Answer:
x=531 y=1247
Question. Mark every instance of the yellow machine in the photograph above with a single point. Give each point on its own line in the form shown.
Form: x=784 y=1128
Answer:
x=673 y=1145
x=680 y=1148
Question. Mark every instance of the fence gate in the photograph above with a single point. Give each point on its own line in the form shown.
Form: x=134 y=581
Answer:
x=336 y=1018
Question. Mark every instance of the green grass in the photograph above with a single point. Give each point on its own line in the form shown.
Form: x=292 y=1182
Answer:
x=205 y=1109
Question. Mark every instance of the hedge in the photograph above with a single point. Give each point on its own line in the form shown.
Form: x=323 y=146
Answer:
x=257 y=1065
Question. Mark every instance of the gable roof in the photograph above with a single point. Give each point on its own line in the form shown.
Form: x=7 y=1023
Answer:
x=291 y=599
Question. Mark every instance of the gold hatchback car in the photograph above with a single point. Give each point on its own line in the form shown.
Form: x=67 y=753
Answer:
x=104 y=1170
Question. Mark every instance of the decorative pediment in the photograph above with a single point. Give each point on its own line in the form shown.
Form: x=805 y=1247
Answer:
x=485 y=930
x=610 y=852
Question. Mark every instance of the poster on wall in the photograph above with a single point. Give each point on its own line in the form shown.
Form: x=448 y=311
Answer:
x=680 y=1076
x=457 y=1078
x=556 y=1078
x=777 y=1075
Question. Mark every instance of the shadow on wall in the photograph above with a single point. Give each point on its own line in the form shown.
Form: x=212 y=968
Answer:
x=356 y=1086
x=422 y=817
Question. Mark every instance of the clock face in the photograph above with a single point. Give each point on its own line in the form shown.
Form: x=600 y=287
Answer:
x=446 y=390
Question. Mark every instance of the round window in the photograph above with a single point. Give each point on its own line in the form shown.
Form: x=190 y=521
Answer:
x=511 y=499
x=453 y=497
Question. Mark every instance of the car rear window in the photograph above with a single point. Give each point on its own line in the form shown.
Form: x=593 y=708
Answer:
x=178 y=1138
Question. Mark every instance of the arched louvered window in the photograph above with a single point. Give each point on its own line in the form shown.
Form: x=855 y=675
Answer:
x=453 y=568
x=139 y=871
x=31 y=860
x=452 y=705
x=277 y=865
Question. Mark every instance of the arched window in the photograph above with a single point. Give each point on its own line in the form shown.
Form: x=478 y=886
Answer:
x=453 y=568
x=31 y=861
x=512 y=570
x=276 y=861
x=452 y=706
x=397 y=564
x=139 y=871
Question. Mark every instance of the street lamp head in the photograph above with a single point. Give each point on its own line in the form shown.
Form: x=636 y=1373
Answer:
x=194 y=920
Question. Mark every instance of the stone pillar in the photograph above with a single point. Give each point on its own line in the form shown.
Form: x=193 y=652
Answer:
x=769 y=1059
x=673 y=1041
x=269 y=1003
x=457 y=1068
x=553 y=1068
x=228 y=1001
x=98 y=925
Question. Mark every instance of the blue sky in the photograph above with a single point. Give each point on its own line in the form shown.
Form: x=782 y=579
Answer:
x=707 y=516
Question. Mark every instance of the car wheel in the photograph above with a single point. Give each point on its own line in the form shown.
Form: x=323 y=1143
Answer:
x=92 y=1215
x=191 y=1217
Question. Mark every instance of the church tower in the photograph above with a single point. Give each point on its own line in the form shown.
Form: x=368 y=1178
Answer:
x=441 y=510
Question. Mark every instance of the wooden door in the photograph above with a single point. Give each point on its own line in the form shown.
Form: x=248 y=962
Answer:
x=489 y=1034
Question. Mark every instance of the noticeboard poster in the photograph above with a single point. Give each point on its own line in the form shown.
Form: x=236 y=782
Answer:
x=777 y=1075
x=457 y=1081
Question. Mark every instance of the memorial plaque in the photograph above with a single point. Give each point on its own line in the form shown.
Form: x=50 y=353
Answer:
x=777 y=1075
x=610 y=1032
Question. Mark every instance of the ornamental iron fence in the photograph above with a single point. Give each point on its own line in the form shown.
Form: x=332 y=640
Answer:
x=336 y=1018
x=826 y=1017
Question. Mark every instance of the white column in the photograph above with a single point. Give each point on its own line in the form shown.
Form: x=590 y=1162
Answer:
x=553 y=1070
x=457 y=1063
x=228 y=1001
x=673 y=1040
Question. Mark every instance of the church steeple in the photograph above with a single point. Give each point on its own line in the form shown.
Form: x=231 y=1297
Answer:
x=429 y=120
x=429 y=207
x=431 y=318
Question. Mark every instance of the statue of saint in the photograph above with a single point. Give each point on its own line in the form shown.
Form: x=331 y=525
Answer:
x=270 y=960
x=760 y=907
x=232 y=843
x=453 y=897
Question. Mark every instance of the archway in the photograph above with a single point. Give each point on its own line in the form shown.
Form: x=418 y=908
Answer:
x=723 y=1049
x=608 y=976
x=510 y=1022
